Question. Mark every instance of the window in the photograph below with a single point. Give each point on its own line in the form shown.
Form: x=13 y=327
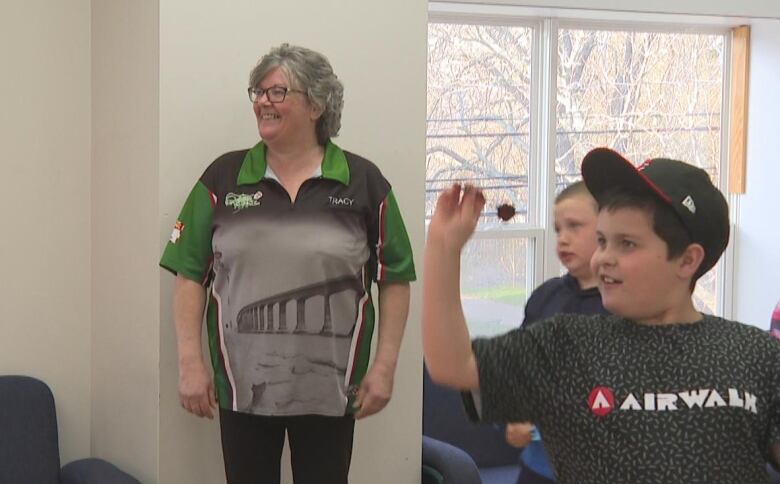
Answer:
x=515 y=103
x=479 y=131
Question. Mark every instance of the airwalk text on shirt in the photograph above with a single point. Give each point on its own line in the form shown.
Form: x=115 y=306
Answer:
x=602 y=400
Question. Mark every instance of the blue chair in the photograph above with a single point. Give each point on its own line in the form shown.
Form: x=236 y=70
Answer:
x=445 y=421
x=443 y=463
x=29 y=448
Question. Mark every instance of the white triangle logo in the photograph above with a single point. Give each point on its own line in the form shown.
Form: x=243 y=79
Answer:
x=600 y=402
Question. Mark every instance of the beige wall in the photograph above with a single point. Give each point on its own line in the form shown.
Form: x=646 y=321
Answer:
x=125 y=228
x=378 y=49
x=45 y=205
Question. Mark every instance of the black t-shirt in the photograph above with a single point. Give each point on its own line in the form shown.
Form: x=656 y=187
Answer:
x=620 y=402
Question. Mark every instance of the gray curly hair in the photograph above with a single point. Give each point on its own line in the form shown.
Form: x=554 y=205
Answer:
x=312 y=73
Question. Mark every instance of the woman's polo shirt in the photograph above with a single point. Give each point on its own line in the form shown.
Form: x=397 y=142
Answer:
x=290 y=314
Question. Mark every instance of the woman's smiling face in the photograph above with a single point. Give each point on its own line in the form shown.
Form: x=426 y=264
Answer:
x=287 y=121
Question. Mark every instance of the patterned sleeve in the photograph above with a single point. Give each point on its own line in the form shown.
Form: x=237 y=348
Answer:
x=517 y=371
x=393 y=252
x=188 y=251
x=774 y=407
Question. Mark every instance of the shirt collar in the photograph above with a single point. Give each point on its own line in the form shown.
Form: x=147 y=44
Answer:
x=574 y=286
x=255 y=167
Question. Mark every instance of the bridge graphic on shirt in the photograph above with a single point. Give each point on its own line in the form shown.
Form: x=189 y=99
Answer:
x=258 y=317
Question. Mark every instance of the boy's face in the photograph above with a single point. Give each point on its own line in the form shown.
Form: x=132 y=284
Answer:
x=635 y=278
x=575 y=228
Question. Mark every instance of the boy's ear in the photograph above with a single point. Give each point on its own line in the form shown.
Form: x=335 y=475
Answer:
x=690 y=260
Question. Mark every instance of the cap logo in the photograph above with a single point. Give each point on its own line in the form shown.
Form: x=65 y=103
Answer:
x=688 y=203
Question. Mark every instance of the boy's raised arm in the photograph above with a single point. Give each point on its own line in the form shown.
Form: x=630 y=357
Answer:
x=446 y=341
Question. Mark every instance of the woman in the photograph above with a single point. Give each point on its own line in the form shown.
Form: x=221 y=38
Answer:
x=287 y=237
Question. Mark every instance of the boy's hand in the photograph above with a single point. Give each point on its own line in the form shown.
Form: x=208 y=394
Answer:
x=518 y=434
x=455 y=217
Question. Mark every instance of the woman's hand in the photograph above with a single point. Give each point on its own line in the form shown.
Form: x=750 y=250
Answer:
x=456 y=217
x=519 y=434
x=196 y=390
x=374 y=392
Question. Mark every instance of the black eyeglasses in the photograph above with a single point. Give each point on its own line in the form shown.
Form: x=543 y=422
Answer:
x=274 y=94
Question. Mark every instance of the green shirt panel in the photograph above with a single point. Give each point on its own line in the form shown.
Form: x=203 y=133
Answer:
x=394 y=250
x=188 y=251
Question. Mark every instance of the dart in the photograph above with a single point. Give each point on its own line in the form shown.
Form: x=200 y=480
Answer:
x=506 y=212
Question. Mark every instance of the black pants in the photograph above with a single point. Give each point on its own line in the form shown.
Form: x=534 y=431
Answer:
x=320 y=447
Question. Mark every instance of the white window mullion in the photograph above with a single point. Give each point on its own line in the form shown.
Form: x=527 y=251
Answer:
x=725 y=282
x=536 y=201
x=548 y=103
x=513 y=233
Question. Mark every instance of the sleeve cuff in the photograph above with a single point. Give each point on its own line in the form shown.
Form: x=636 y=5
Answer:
x=472 y=403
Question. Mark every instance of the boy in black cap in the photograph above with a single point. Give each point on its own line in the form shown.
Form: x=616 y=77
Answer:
x=657 y=393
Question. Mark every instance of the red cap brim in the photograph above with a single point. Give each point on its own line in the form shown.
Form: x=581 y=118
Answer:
x=604 y=169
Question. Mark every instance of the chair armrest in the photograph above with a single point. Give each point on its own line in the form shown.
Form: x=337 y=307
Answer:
x=94 y=471
x=431 y=475
x=454 y=464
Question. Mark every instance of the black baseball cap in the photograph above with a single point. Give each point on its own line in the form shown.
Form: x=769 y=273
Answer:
x=698 y=203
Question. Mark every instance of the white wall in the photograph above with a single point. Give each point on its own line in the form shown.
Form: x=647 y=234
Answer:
x=378 y=49
x=45 y=205
x=125 y=242
x=756 y=281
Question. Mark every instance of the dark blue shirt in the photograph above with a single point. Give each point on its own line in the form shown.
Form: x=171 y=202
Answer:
x=561 y=295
